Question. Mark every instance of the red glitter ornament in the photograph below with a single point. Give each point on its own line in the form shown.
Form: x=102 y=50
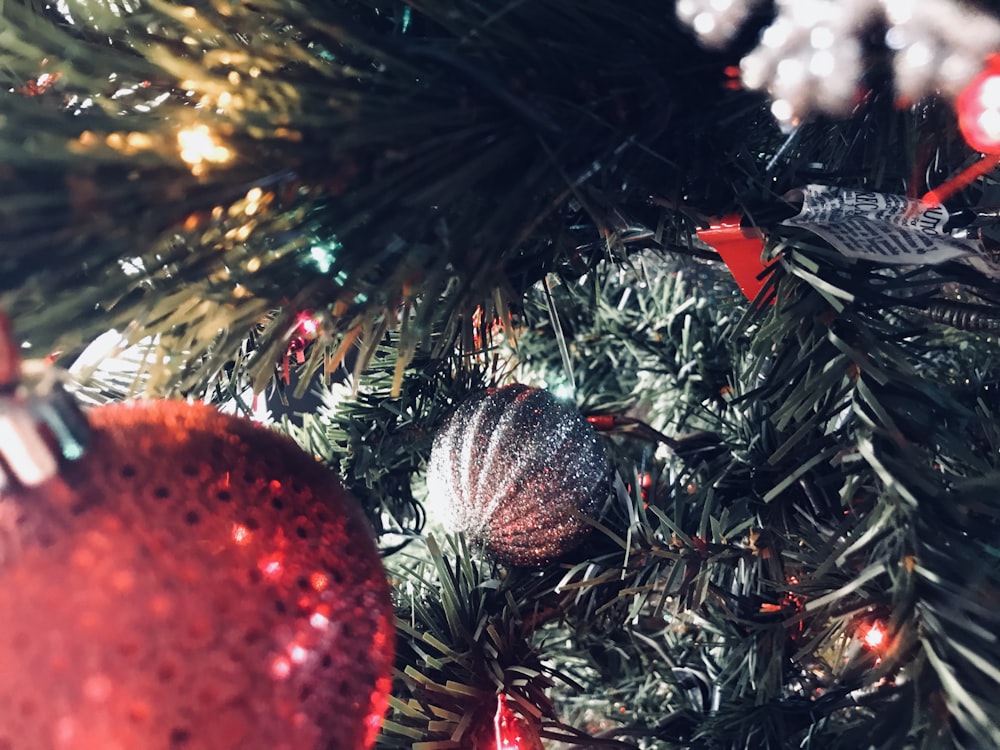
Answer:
x=194 y=582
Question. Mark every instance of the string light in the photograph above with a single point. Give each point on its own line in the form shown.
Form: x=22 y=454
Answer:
x=199 y=146
x=979 y=109
x=563 y=391
x=505 y=725
x=306 y=324
x=813 y=56
x=874 y=635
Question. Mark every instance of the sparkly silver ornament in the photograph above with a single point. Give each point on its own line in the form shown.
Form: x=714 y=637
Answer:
x=518 y=471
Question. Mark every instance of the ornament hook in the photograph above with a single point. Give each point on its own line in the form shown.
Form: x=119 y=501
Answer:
x=37 y=425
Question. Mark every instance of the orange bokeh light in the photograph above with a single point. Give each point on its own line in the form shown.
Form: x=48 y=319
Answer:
x=874 y=635
x=241 y=534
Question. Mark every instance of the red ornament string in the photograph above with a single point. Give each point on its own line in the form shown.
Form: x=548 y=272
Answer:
x=943 y=192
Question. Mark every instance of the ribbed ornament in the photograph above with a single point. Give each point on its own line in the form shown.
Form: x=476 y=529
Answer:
x=518 y=470
x=194 y=582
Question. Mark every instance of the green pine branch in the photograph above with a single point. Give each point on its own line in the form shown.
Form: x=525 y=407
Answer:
x=184 y=172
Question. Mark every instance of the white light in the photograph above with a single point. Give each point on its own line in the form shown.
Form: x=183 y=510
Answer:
x=63 y=7
x=896 y=38
x=319 y=621
x=563 y=392
x=792 y=71
x=957 y=70
x=775 y=35
x=822 y=64
x=919 y=54
x=898 y=11
x=686 y=9
x=989 y=121
x=322 y=257
x=752 y=72
x=132 y=266
x=811 y=14
x=721 y=5
x=704 y=23
x=822 y=37
x=989 y=96
x=782 y=110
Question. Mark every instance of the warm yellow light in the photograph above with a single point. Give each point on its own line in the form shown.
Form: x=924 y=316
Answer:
x=138 y=141
x=198 y=145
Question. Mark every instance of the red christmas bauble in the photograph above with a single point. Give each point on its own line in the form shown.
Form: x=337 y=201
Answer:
x=194 y=582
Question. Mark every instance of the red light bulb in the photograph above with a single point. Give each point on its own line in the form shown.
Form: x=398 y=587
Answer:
x=506 y=726
x=306 y=325
x=978 y=107
x=874 y=635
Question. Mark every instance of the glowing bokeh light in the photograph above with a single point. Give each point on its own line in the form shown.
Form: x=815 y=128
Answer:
x=241 y=534
x=506 y=727
x=281 y=668
x=978 y=107
x=270 y=567
x=297 y=653
x=563 y=391
x=198 y=145
x=319 y=621
x=874 y=635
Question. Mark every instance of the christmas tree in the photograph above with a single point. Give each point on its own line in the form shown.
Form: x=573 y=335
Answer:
x=740 y=257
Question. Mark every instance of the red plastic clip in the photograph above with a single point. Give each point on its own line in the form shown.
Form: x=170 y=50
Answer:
x=741 y=249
